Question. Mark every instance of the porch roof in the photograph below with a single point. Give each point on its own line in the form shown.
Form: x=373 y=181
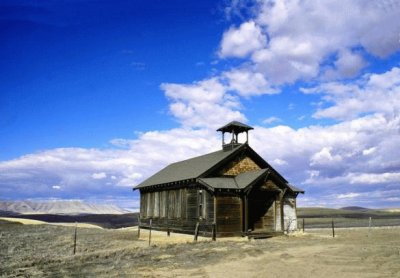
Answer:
x=241 y=181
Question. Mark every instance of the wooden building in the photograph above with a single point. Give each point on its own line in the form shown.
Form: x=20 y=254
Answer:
x=233 y=189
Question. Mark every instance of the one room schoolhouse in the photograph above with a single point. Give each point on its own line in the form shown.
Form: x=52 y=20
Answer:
x=229 y=192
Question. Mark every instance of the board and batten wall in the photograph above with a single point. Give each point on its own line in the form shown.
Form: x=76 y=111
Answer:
x=178 y=209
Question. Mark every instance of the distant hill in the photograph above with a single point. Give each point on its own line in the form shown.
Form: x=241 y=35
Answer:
x=346 y=212
x=57 y=207
x=354 y=208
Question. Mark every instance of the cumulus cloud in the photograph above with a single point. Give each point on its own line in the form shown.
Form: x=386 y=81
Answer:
x=373 y=93
x=327 y=159
x=99 y=176
x=239 y=42
x=247 y=83
x=290 y=40
x=271 y=120
x=348 y=64
x=101 y=172
x=203 y=103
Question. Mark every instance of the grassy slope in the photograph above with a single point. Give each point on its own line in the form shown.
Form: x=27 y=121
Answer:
x=46 y=251
x=314 y=216
x=328 y=212
x=322 y=217
x=102 y=220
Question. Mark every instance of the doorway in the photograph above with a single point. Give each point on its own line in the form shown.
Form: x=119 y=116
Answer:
x=261 y=210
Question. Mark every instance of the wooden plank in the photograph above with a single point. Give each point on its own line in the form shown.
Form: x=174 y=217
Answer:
x=209 y=207
x=183 y=203
x=156 y=204
x=229 y=215
x=191 y=205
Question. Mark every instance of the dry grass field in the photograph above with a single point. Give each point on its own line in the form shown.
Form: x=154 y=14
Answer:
x=46 y=251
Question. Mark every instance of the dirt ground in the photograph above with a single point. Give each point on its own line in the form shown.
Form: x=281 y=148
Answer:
x=46 y=251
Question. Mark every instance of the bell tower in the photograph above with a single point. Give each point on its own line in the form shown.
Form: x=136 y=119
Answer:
x=234 y=128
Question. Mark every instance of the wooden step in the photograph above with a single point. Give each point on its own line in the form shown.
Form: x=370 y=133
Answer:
x=263 y=234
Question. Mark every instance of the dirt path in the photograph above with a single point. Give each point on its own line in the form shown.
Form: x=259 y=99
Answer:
x=352 y=253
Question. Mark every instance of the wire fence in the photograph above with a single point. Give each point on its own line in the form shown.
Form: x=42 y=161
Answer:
x=344 y=222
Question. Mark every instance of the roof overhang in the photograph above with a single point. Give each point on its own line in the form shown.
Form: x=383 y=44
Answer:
x=295 y=189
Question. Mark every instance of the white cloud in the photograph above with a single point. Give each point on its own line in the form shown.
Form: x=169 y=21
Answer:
x=372 y=178
x=84 y=172
x=348 y=195
x=373 y=93
x=348 y=64
x=239 y=42
x=369 y=151
x=203 y=104
x=271 y=120
x=279 y=162
x=290 y=40
x=318 y=158
x=99 y=176
x=247 y=83
x=325 y=157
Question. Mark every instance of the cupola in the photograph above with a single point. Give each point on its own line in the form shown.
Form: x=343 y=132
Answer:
x=235 y=128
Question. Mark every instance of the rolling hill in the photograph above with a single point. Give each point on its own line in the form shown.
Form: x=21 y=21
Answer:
x=57 y=207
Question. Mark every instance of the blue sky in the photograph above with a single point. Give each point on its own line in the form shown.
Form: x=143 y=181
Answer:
x=95 y=96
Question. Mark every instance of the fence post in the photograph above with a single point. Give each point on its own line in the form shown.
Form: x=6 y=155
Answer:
x=333 y=229
x=196 y=231
x=151 y=220
x=138 y=231
x=76 y=227
x=303 y=224
x=369 y=225
x=214 y=231
x=168 y=231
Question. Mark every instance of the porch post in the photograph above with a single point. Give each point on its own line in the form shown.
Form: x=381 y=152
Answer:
x=246 y=214
x=282 y=216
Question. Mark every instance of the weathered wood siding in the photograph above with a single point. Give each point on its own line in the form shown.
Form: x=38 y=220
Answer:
x=289 y=212
x=178 y=210
x=229 y=215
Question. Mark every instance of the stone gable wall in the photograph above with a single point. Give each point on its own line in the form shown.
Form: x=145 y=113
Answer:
x=235 y=168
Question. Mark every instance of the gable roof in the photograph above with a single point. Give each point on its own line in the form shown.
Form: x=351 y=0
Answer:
x=190 y=168
x=199 y=169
